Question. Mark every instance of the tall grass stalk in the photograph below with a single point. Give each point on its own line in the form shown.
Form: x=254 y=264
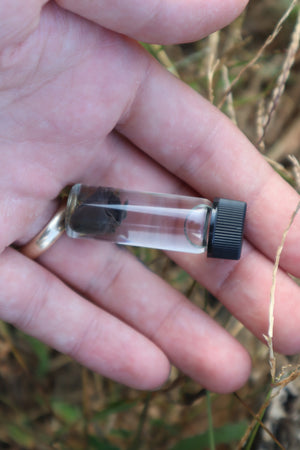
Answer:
x=212 y=445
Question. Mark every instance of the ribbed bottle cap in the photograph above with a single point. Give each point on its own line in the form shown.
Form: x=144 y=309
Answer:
x=226 y=229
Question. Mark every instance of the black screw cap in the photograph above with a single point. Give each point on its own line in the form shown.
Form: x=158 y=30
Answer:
x=226 y=229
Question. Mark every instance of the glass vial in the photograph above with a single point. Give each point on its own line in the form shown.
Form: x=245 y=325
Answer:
x=161 y=221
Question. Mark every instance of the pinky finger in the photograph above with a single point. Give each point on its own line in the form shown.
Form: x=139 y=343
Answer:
x=37 y=302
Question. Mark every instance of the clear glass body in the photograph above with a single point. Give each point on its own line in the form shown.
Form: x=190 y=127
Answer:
x=162 y=221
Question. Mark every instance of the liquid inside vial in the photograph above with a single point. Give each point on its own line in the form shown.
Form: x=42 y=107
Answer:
x=161 y=221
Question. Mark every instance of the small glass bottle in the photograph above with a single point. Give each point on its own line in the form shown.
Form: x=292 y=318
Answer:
x=161 y=221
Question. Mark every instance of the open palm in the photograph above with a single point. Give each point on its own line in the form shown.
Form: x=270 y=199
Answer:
x=82 y=103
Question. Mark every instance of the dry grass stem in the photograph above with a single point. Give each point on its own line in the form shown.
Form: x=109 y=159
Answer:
x=282 y=79
x=280 y=169
x=213 y=62
x=256 y=419
x=229 y=100
x=253 y=61
x=164 y=59
x=234 y=327
x=280 y=383
x=283 y=379
x=296 y=170
x=261 y=111
x=288 y=143
x=269 y=337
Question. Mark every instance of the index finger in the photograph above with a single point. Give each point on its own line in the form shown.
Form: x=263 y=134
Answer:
x=196 y=142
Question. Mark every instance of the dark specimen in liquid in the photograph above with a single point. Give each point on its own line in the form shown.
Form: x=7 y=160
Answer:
x=98 y=219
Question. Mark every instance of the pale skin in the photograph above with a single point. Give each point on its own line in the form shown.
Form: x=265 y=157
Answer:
x=81 y=103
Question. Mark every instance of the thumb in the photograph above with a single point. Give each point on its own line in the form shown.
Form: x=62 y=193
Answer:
x=159 y=21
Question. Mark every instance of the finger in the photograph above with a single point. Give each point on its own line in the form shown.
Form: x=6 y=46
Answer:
x=115 y=280
x=38 y=303
x=244 y=287
x=164 y=21
x=196 y=142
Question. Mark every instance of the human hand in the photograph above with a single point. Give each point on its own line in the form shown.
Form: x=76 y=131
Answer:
x=80 y=103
